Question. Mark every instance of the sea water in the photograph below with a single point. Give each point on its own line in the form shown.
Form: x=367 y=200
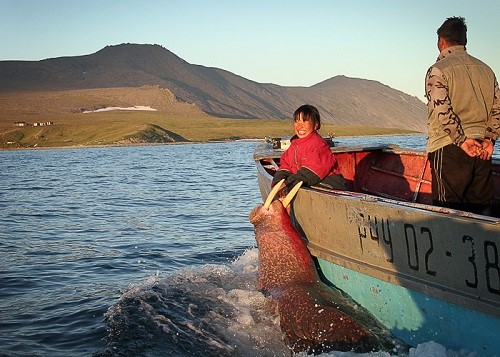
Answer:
x=139 y=251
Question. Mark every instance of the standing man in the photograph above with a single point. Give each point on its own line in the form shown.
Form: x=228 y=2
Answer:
x=463 y=123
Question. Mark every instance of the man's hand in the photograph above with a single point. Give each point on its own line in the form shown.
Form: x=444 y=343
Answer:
x=488 y=147
x=472 y=147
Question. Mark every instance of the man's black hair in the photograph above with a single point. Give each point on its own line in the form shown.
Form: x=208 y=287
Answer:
x=454 y=31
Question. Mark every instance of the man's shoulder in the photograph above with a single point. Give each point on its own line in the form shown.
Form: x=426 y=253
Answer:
x=459 y=58
x=480 y=63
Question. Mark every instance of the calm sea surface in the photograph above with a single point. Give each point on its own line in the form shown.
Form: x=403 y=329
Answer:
x=136 y=251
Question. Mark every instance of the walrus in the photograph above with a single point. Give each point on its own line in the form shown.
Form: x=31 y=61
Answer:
x=314 y=317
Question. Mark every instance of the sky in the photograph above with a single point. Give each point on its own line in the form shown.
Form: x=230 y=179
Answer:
x=289 y=43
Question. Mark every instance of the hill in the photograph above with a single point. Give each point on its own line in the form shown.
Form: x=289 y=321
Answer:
x=341 y=100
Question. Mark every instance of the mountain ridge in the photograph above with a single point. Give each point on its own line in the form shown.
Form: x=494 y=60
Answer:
x=341 y=100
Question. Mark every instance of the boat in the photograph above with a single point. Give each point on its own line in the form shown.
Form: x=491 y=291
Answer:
x=427 y=273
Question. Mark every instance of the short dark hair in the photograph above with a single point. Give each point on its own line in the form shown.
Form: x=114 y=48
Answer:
x=308 y=112
x=454 y=31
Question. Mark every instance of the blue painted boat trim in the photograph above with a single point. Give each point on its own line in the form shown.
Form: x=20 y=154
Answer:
x=416 y=318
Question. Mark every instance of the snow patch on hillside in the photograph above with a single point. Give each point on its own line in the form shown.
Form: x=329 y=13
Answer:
x=107 y=109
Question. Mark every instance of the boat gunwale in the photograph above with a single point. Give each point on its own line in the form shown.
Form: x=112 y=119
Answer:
x=370 y=197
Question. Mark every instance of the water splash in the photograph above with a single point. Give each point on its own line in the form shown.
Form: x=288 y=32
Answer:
x=212 y=310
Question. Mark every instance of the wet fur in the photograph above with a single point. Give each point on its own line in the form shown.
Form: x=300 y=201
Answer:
x=313 y=316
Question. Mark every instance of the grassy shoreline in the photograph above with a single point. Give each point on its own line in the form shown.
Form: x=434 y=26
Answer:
x=145 y=131
x=82 y=146
x=173 y=121
x=127 y=128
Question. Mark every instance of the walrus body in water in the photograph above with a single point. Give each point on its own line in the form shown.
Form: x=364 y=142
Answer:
x=313 y=316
